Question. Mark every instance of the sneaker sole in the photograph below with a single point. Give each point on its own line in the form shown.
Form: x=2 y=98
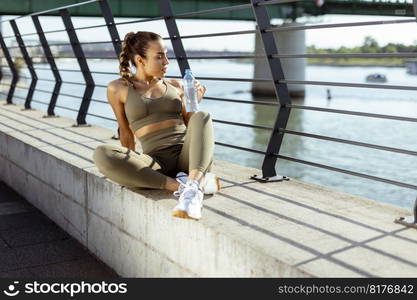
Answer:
x=218 y=186
x=182 y=214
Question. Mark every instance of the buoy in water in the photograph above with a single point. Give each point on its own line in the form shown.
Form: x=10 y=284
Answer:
x=329 y=96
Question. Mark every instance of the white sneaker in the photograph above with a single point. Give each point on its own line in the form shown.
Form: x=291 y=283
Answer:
x=182 y=178
x=190 y=201
x=211 y=183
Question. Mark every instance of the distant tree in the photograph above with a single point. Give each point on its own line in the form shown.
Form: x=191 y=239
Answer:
x=343 y=49
x=390 y=48
x=370 y=45
x=370 y=42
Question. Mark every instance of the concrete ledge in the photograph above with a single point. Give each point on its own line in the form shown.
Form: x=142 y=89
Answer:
x=250 y=229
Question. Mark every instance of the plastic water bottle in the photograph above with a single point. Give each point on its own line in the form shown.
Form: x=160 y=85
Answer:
x=190 y=91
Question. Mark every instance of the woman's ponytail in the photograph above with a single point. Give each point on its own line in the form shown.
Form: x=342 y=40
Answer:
x=124 y=60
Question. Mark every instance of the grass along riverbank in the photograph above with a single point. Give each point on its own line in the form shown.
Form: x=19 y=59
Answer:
x=363 y=62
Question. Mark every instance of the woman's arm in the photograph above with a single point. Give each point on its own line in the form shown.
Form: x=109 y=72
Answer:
x=127 y=138
x=200 y=94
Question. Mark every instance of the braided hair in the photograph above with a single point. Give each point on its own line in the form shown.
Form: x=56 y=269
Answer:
x=134 y=43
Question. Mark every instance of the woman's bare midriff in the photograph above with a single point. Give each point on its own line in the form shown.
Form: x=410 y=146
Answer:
x=157 y=126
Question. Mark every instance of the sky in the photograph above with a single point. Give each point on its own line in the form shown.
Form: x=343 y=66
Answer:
x=321 y=38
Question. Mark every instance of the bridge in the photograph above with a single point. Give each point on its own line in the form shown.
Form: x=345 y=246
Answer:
x=262 y=224
x=290 y=10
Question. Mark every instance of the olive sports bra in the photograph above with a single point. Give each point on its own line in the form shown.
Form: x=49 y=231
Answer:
x=141 y=111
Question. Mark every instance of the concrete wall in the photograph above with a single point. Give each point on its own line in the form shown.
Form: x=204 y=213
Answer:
x=132 y=231
x=250 y=229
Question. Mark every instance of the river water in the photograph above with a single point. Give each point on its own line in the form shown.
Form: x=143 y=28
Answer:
x=392 y=133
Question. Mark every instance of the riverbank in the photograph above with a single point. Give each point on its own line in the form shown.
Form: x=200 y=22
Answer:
x=357 y=62
x=342 y=62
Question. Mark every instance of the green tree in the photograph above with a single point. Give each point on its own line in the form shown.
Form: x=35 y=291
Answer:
x=370 y=42
x=370 y=45
x=390 y=48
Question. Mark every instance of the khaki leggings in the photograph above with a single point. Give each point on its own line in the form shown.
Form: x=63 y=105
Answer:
x=151 y=170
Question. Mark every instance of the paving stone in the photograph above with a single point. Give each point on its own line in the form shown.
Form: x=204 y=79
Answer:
x=19 y=273
x=8 y=195
x=3 y=246
x=21 y=220
x=32 y=246
x=87 y=267
x=14 y=207
x=33 y=235
x=41 y=254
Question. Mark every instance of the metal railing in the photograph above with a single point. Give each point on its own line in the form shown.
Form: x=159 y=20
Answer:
x=283 y=100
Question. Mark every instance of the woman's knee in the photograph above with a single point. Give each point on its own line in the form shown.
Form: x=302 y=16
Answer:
x=103 y=155
x=200 y=115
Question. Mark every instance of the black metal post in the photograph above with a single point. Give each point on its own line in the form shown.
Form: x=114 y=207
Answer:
x=415 y=7
x=166 y=11
x=410 y=221
x=52 y=64
x=12 y=67
x=79 y=54
x=28 y=61
x=114 y=34
x=268 y=167
x=1 y=58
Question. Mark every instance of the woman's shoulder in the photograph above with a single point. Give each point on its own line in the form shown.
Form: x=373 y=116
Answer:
x=118 y=89
x=176 y=83
x=118 y=84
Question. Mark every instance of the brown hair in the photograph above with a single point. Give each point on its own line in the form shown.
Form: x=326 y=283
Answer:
x=134 y=43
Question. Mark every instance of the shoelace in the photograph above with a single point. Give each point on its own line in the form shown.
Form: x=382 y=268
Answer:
x=188 y=191
x=180 y=190
x=191 y=191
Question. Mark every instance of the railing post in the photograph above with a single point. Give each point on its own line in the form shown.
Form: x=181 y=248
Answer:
x=268 y=167
x=410 y=221
x=52 y=64
x=114 y=34
x=166 y=11
x=79 y=54
x=12 y=67
x=28 y=61
x=1 y=60
x=415 y=7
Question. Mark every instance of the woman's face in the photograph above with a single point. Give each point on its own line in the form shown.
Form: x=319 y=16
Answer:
x=156 y=61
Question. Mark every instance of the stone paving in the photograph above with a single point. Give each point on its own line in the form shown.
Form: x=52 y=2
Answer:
x=32 y=246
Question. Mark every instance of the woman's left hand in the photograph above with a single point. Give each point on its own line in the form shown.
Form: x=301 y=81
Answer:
x=201 y=90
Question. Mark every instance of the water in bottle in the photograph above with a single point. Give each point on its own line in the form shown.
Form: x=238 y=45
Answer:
x=190 y=91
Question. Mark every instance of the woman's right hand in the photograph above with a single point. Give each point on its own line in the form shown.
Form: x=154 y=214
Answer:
x=127 y=139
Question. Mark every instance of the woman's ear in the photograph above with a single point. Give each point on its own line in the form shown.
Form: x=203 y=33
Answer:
x=139 y=60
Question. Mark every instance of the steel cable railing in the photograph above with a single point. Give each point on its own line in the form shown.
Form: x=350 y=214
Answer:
x=69 y=108
x=338 y=25
x=265 y=30
x=344 y=141
x=61 y=44
x=353 y=113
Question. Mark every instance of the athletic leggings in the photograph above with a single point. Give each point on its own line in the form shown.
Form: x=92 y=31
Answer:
x=152 y=169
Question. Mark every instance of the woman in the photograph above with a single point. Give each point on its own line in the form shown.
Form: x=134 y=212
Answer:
x=173 y=141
